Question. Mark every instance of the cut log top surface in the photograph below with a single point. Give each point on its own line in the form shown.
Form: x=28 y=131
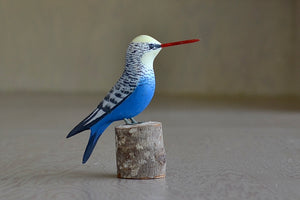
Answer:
x=139 y=125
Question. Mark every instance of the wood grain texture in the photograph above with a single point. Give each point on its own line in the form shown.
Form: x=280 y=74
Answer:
x=140 y=151
x=214 y=152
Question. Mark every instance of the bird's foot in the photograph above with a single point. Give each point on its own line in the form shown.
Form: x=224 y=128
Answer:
x=131 y=121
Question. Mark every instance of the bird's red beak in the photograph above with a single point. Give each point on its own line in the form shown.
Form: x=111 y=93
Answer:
x=178 y=43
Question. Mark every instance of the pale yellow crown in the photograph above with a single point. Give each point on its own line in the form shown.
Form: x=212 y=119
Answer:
x=145 y=39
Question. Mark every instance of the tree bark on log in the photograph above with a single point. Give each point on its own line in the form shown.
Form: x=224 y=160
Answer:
x=140 y=152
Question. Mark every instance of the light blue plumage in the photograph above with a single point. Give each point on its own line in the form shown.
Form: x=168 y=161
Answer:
x=131 y=94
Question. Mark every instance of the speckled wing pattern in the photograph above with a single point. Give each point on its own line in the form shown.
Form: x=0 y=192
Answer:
x=115 y=97
x=122 y=89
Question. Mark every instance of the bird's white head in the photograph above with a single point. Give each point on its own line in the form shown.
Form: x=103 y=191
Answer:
x=144 y=49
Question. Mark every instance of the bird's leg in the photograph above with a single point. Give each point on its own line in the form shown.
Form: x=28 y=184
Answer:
x=133 y=121
x=127 y=122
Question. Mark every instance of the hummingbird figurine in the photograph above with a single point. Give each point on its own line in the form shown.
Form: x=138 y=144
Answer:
x=130 y=95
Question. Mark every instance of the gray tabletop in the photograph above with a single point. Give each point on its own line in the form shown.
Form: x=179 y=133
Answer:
x=213 y=151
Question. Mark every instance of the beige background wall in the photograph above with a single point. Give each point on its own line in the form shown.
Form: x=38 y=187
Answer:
x=247 y=47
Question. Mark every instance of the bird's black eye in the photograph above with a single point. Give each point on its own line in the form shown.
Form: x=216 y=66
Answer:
x=154 y=46
x=151 y=46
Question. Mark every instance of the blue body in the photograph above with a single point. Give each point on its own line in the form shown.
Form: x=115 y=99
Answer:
x=130 y=107
x=135 y=103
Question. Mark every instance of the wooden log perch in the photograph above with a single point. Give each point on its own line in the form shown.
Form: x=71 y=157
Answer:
x=140 y=152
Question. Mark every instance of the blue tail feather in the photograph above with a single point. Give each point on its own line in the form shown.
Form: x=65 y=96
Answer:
x=96 y=132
